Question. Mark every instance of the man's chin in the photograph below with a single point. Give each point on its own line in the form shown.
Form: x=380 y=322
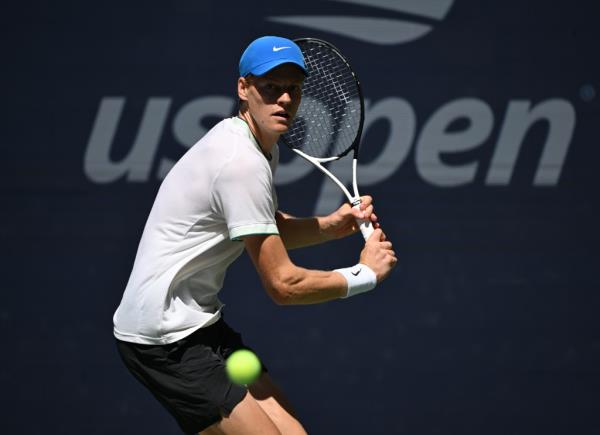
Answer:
x=282 y=128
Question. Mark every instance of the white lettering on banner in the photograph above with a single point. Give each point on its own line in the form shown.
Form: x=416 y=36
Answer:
x=387 y=30
x=560 y=115
x=97 y=164
x=433 y=142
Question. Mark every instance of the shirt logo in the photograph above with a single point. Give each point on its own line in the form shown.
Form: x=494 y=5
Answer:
x=280 y=48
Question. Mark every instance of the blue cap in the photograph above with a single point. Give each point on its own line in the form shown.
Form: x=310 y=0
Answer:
x=268 y=52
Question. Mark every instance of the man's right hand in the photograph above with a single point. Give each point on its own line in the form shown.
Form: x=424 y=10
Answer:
x=378 y=255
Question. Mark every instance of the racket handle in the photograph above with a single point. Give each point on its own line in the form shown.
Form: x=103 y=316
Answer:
x=366 y=227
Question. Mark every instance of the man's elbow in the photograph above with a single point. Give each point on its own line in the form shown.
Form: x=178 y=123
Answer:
x=280 y=294
x=284 y=290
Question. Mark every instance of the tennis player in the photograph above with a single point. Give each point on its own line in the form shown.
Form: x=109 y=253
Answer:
x=218 y=200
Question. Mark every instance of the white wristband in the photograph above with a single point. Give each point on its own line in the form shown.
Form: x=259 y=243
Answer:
x=360 y=278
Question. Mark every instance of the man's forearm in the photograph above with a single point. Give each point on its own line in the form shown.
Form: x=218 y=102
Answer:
x=286 y=283
x=301 y=232
x=304 y=286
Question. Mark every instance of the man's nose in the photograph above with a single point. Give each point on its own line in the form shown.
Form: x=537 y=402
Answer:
x=285 y=97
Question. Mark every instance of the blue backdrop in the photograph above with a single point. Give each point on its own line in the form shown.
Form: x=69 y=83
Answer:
x=481 y=147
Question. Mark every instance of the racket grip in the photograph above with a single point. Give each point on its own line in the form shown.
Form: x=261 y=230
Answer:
x=366 y=227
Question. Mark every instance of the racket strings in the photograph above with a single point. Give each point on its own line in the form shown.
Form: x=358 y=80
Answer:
x=328 y=118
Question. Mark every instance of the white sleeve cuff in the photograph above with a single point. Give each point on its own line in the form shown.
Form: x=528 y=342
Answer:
x=250 y=230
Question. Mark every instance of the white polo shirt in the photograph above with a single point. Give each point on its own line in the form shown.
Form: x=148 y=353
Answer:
x=219 y=191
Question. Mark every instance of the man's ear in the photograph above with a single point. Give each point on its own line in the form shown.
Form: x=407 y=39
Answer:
x=243 y=89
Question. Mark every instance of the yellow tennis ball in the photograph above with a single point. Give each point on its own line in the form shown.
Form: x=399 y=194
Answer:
x=243 y=367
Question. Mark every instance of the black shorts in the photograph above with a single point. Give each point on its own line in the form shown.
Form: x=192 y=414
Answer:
x=188 y=377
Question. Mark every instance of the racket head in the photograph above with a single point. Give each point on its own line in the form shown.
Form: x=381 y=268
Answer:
x=330 y=118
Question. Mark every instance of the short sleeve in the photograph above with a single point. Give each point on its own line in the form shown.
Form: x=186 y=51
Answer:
x=243 y=195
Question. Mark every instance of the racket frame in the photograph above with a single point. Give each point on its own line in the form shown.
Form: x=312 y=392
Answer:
x=365 y=226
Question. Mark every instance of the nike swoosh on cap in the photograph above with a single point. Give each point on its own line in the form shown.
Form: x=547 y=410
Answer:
x=280 y=48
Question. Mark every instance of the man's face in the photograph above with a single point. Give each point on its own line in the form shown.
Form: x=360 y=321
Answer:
x=273 y=98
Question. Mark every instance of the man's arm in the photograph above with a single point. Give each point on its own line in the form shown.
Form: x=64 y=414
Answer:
x=301 y=232
x=288 y=284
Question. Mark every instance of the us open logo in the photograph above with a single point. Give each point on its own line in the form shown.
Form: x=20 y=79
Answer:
x=429 y=142
x=389 y=30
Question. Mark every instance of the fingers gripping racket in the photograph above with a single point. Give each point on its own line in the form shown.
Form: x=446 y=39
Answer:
x=330 y=118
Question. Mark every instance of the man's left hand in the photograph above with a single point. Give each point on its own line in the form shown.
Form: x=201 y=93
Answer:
x=342 y=222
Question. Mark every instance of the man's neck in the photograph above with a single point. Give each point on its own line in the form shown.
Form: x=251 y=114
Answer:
x=265 y=142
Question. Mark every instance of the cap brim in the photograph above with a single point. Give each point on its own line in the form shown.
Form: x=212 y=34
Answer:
x=268 y=66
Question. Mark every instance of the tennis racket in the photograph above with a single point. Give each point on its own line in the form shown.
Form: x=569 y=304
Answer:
x=330 y=118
